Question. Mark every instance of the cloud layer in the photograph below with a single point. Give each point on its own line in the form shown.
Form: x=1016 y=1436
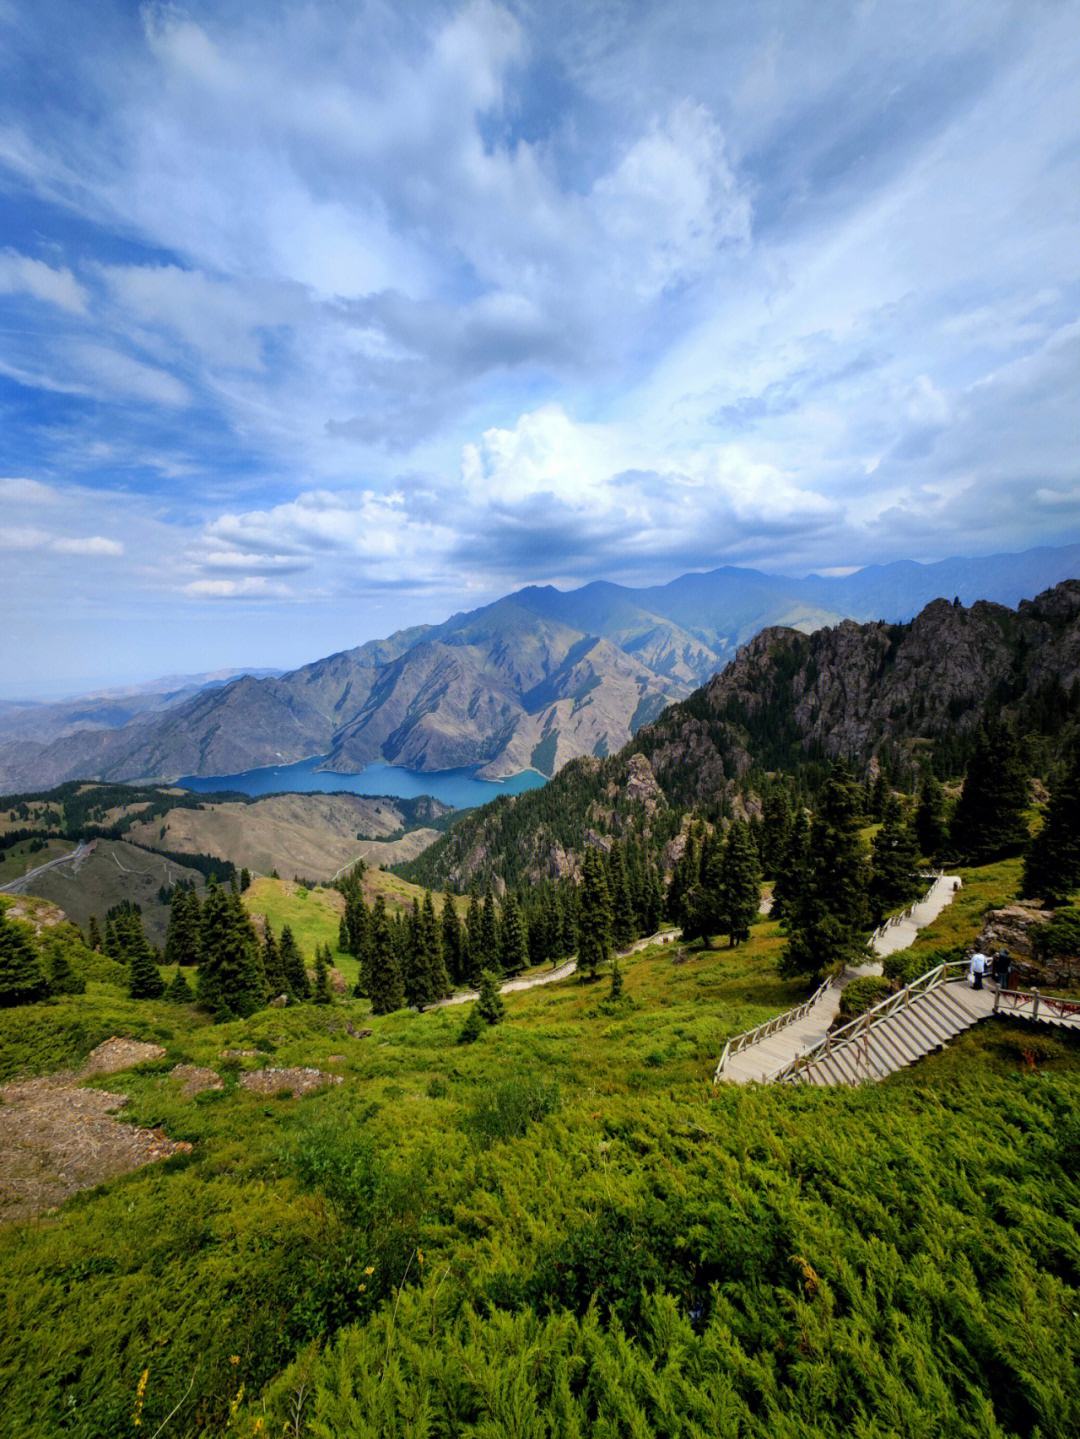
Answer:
x=336 y=318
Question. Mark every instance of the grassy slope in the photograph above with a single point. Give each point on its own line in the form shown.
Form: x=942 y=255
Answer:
x=902 y=1229
x=20 y=859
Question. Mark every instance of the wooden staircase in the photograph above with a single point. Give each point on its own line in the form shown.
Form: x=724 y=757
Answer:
x=914 y=1022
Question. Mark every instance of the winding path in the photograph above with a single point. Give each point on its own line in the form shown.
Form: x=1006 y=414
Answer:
x=79 y=853
x=564 y=971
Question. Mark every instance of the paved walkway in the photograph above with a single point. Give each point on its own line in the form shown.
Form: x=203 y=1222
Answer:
x=767 y=1057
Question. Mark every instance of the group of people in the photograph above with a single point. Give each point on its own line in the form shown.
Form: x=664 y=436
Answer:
x=1000 y=967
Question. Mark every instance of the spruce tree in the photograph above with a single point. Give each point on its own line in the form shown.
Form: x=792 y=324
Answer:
x=473 y=1027
x=322 y=993
x=179 y=990
x=93 y=934
x=277 y=982
x=702 y=902
x=245 y=879
x=144 y=979
x=292 y=963
x=488 y=957
x=473 y=949
x=594 y=915
x=438 y=980
x=652 y=900
x=182 y=941
x=793 y=870
x=623 y=929
x=775 y=829
x=62 y=978
x=513 y=953
x=827 y=922
x=1052 y=866
x=989 y=822
x=22 y=980
x=931 y=826
x=740 y=884
x=453 y=943
x=232 y=981
x=615 y=993
x=383 y=977
x=344 y=939
x=894 y=875
x=490 y=1005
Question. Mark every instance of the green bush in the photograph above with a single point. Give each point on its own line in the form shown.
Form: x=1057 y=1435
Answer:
x=862 y=994
x=507 y=1111
x=1060 y=938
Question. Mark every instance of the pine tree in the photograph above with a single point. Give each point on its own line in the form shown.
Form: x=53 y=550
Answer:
x=245 y=880
x=232 y=981
x=702 y=902
x=489 y=1004
x=1052 y=867
x=615 y=993
x=383 y=977
x=931 y=826
x=989 y=821
x=453 y=943
x=594 y=915
x=22 y=980
x=775 y=829
x=473 y=927
x=182 y=941
x=792 y=872
x=144 y=979
x=322 y=994
x=473 y=1027
x=623 y=929
x=827 y=922
x=179 y=990
x=93 y=934
x=740 y=884
x=894 y=876
x=488 y=957
x=438 y=980
x=513 y=954
x=277 y=982
x=62 y=978
x=292 y=963
x=344 y=939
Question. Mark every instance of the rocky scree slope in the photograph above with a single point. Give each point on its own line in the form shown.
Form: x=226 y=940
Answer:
x=786 y=701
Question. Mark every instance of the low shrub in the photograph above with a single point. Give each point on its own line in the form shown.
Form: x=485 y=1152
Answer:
x=862 y=994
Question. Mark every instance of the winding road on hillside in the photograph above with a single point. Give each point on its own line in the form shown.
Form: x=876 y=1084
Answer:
x=77 y=855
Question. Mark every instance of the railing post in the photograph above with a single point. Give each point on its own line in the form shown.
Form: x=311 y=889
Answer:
x=1035 y=1005
x=997 y=1000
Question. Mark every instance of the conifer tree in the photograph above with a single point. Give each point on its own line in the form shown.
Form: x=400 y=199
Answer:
x=489 y=933
x=93 y=934
x=490 y=1005
x=827 y=922
x=513 y=954
x=615 y=993
x=182 y=941
x=453 y=943
x=793 y=870
x=775 y=829
x=473 y=1027
x=383 y=976
x=989 y=821
x=438 y=979
x=702 y=902
x=1052 y=867
x=245 y=879
x=344 y=940
x=740 y=884
x=293 y=966
x=594 y=915
x=62 y=978
x=179 y=990
x=232 y=981
x=22 y=980
x=473 y=927
x=322 y=993
x=931 y=826
x=144 y=979
x=623 y=929
x=894 y=876
x=277 y=982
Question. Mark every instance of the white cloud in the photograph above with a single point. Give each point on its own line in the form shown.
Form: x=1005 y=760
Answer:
x=20 y=274
x=251 y=588
x=16 y=489
x=88 y=545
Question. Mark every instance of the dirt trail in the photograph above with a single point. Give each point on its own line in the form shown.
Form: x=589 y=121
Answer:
x=564 y=971
x=76 y=857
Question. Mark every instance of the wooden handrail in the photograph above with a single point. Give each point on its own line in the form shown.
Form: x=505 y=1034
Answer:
x=739 y=1042
x=856 y=1028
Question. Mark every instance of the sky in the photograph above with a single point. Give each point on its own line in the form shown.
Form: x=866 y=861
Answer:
x=322 y=319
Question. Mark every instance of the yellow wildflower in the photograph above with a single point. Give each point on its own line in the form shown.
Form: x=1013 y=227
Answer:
x=370 y=1270
x=234 y=1359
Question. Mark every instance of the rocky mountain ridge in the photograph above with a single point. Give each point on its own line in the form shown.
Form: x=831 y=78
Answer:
x=533 y=680
x=791 y=701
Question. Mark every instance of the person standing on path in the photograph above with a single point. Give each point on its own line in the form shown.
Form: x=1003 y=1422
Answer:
x=1002 y=968
x=978 y=969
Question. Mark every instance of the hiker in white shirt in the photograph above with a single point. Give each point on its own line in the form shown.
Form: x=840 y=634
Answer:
x=979 y=963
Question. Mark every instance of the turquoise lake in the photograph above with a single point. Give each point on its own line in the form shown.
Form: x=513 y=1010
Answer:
x=457 y=787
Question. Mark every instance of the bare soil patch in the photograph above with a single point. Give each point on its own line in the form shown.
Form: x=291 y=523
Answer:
x=117 y=1053
x=298 y=1081
x=194 y=1079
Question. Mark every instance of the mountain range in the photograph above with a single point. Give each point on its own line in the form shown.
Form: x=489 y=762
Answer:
x=899 y=694
x=533 y=680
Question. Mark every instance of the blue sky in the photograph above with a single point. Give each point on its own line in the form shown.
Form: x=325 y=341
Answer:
x=321 y=319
